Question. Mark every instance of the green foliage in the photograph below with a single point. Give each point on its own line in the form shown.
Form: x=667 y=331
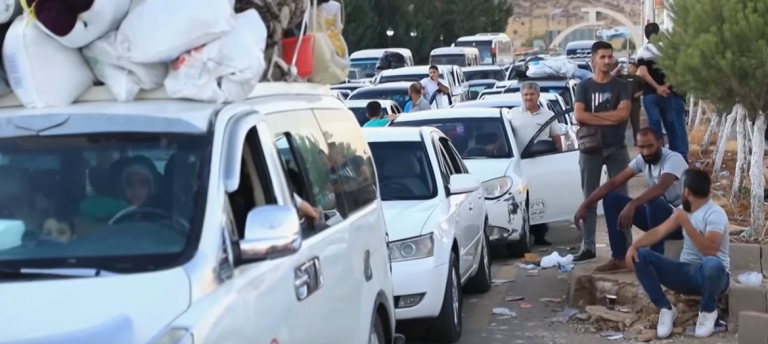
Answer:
x=367 y=21
x=718 y=49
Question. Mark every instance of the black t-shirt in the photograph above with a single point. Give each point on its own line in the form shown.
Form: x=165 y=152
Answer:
x=598 y=97
x=656 y=74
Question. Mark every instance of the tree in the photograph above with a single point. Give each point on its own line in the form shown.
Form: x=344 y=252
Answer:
x=361 y=34
x=718 y=50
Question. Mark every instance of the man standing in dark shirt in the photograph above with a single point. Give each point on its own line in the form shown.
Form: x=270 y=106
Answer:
x=662 y=104
x=636 y=85
x=604 y=102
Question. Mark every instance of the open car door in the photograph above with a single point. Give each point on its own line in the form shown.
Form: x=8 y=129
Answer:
x=554 y=178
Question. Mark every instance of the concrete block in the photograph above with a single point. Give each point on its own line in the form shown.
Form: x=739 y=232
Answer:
x=672 y=249
x=754 y=328
x=581 y=286
x=744 y=299
x=745 y=257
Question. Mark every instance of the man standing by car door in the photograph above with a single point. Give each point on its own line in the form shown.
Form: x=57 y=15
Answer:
x=432 y=84
x=602 y=108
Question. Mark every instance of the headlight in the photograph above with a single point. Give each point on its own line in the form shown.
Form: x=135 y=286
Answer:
x=413 y=248
x=496 y=188
x=175 y=335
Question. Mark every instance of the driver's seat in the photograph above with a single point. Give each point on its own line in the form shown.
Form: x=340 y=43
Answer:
x=405 y=169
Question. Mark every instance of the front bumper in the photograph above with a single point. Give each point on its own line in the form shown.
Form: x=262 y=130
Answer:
x=505 y=220
x=421 y=279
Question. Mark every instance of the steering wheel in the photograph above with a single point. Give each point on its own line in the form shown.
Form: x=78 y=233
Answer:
x=161 y=216
x=398 y=184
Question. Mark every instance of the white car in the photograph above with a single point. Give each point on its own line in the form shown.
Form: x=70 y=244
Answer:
x=212 y=250
x=358 y=107
x=436 y=218
x=451 y=74
x=521 y=188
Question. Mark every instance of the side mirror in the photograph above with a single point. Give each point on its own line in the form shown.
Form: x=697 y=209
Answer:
x=542 y=147
x=464 y=183
x=271 y=231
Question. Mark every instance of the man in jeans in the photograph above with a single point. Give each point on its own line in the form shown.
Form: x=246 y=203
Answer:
x=662 y=104
x=663 y=169
x=704 y=266
x=602 y=101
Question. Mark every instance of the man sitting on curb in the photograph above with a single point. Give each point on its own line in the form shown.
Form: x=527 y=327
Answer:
x=704 y=266
x=663 y=169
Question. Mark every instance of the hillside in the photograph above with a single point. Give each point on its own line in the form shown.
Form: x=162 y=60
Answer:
x=531 y=17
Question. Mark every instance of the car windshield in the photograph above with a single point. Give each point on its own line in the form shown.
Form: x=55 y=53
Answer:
x=563 y=91
x=398 y=95
x=555 y=104
x=492 y=74
x=360 y=114
x=474 y=90
x=368 y=66
x=403 y=77
x=490 y=91
x=403 y=170
x=453 y=59
x=484 y=47
x=474 y=138
x=120 y=202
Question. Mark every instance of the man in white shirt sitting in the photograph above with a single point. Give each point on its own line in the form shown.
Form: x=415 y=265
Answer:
x=526 y=121
x=433 y=83
x=704 y=266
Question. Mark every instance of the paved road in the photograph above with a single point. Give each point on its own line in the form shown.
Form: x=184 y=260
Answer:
x=531 y=325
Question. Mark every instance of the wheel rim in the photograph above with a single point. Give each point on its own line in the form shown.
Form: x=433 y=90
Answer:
x=455 y=299
x=374 y=339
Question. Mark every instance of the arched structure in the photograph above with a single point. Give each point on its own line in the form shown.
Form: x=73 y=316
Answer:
x=634 y=31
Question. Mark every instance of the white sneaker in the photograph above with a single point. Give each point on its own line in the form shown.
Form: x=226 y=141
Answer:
x=666 y=322
x=705 y=325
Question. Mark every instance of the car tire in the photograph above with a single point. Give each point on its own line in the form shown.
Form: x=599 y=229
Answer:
x=447 y=327
x=522 y=246
x=377 y=332
x=481 y=283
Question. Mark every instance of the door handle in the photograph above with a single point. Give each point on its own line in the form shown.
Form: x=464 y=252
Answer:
x=309 y=278
x=471 y=206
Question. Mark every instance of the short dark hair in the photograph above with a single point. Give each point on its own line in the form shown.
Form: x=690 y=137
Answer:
x=373 y=109
x=433 y=67
x=651 y=29
x=601 y=45
x=644 y=131
x=415 y=88
x=697 y=181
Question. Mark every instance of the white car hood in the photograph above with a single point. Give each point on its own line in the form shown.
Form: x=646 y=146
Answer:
x=122 y=309
x=487 y=169
x=405 y=219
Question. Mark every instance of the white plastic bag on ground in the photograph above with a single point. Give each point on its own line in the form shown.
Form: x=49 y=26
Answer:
x=555 y=259
x=160 y=31
x=224 y=70
x=123 y=78
x=751 y=279
x=75 y=29
x=41 y=71
x=551 y=68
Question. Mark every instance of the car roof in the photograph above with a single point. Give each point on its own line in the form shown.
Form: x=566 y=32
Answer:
x=491 y=101
x=396 y=134
x=412 y=70
x=482 y=81
x=359 y=103
x=484 y=36
x=351 y=84
x=388 y=85
x=454 y=50
x=376 y=53
x=481 y=68
x=479 y=112
x=542 y=82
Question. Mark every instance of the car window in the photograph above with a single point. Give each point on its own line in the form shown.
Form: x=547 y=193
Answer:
x=361 y=114
x=455 y=159
x=367 y=65
x=397 y=95
x=383 y=79
x=404 y=171
x=453 y=59
x=474 y=138
x=100 y=200
x=492 y=74
x=475 y=90
x=350 y=156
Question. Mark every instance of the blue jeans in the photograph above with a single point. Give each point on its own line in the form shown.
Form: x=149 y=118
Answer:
x=709 y=279
x=670 y=112
x=646 y=217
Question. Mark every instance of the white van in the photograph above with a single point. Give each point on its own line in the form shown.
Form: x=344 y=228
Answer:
x=367 y=59
x=495 y=48
x=579 y=50
x=180 y=225
x=462 y=57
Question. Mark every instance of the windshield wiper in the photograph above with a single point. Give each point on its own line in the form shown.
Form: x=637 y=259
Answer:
x=56 y=272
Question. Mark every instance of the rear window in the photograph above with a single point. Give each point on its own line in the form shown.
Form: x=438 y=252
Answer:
x=475 y=90
x=474 y=138
x=360 y=114
x=455 y=59
x=399 y=96
x=398 y=78
x=492 y=74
